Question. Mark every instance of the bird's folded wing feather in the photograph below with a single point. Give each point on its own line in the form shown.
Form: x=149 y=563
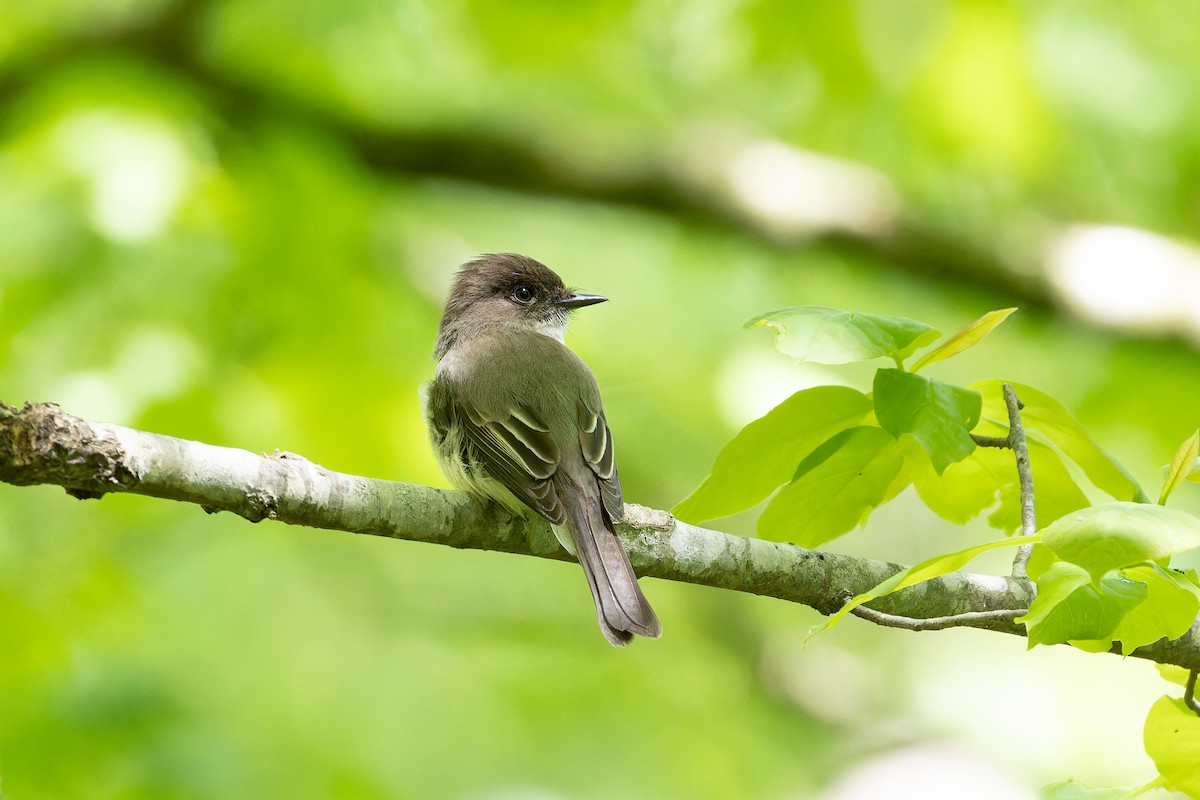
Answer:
x=518 y=450
x=596 y=440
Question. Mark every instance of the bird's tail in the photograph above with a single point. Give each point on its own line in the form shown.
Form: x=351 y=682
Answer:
x=620 y=605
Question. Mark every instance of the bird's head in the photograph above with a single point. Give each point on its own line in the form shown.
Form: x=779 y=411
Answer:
x=509 y=289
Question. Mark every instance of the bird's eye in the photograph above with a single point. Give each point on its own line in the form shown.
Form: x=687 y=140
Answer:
x=523 y=295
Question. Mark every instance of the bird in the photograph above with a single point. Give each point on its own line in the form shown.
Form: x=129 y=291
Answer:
x=515 y=417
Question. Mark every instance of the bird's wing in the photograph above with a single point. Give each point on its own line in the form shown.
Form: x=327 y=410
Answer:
x=596 y=440
x=517 y=450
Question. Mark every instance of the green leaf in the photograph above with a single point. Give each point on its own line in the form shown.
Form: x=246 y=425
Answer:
x=1121 y=534
x=927 y=570
x=1045 y=417
x=1194 y=473
x=1070 y=790
x=1172 y=739
x=1040 y=560
x=1172 y=602
x=1181 y=465
x=1070 y=608
x=1054 y=586
x=966 y=488
x=764 y=455
x=1172 y=673
x=987 y=479
x=829 y=336
x=938 y=415
x=965 y=339
x=832 y=495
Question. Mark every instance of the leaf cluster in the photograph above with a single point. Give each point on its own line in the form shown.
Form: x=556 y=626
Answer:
x=828 y=456
x=835 y=454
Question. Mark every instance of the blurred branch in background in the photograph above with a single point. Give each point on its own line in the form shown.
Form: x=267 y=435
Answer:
x=722 y=173
x=41 y=444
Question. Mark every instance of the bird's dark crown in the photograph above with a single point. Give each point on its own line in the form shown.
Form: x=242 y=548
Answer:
x=502 y=274
x=530 y=288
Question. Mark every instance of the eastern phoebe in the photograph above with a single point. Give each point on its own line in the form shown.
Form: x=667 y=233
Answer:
x=516 y=417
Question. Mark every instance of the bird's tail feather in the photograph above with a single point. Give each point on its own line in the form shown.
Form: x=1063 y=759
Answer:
x=620 y=605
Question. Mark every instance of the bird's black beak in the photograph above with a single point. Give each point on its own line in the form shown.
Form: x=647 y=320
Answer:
x=578 y=300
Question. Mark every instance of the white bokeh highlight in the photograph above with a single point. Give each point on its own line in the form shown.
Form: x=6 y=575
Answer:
x=1128 y=278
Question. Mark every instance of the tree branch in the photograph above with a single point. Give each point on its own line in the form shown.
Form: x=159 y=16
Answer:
x=1020 y=448
x=41 y=444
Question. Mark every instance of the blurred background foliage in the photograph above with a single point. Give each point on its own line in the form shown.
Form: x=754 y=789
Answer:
x=235 y=221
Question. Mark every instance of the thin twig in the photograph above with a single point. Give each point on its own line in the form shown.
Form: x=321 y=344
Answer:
x=969 y=618
x=1016 y=438
x=1189 y=692
x=991 y=441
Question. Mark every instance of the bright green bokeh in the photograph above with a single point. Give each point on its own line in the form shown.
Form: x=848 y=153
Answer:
x=198 y=238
